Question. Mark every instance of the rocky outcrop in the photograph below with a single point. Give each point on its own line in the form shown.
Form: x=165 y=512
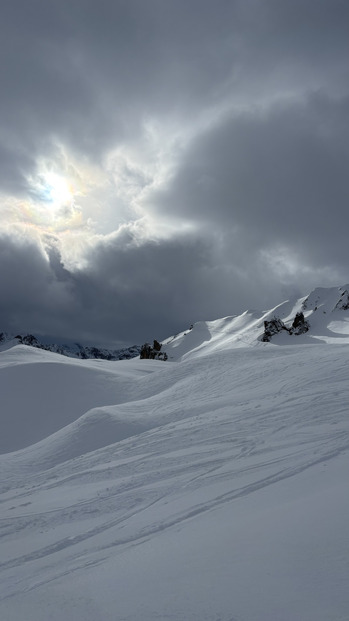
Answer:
x=275 y=325
x=154 y=352
x=271 y=327
x=343 y=302
x=300 y=325
x=28 y=339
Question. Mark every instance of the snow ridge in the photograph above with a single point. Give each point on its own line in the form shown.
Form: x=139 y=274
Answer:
x=326 y=311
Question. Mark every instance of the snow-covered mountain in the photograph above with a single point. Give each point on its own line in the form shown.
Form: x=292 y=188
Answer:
x=211 y=487
x=73 y=350
x=325 y=310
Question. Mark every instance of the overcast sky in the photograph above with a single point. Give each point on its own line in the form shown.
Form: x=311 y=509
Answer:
x=166 y=161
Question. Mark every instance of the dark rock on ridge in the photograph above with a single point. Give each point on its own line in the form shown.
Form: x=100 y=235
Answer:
x=300 y=325
x=275 y=325
x=154 y=352
x=343 y=302
x=271 y=327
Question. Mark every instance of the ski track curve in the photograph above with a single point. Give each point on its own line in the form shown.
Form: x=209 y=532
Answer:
x=216 y=433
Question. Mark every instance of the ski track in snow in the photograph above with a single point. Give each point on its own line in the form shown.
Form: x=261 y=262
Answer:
x=181 y=441
x=241 y=443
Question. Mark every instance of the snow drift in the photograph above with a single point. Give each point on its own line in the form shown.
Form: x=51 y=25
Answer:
x=212 y=486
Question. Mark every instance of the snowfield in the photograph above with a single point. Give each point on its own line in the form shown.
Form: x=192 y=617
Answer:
x=211 y=487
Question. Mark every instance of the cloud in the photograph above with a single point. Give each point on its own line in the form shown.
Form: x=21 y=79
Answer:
x=278 y=175
x=32 y=294
x=130 y=290
x=145 y=289
x=205 y=147
x=93 y=79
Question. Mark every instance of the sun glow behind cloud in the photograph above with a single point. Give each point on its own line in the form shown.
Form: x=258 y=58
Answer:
x=52 y=199
x=60 y=197
x=56 y=191
x=68 y=194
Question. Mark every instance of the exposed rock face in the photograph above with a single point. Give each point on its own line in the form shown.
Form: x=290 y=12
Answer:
x=343 y=303
x=28 y=339
x=154 y=352
x=299 y=326
x=274 y=326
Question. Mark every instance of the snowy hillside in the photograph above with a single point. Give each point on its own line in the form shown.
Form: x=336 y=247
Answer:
x=72 y=350
x=325 y=310
x=211 y=487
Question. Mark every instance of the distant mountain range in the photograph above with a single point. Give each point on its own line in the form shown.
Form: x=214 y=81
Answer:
x=322 y=316
x=74 y=350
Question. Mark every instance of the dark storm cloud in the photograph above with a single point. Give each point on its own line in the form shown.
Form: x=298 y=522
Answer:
x=148 y=290
x=267 y=175
x=274 y=176
x=88 y=74
x=12 y=164
x=130 y=292
x=32 y=295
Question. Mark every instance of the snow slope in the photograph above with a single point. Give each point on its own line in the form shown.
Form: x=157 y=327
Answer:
x=326 y=310
x=212 y=488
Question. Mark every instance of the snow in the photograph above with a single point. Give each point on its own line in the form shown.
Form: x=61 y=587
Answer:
x=329 y=324
x=210 y=487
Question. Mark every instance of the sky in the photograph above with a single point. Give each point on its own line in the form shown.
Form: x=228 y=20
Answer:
x=168 y=161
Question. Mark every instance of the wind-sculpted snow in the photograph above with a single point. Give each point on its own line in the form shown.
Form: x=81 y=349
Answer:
x=326 y=311
x=214 y=488
x=42 y=392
